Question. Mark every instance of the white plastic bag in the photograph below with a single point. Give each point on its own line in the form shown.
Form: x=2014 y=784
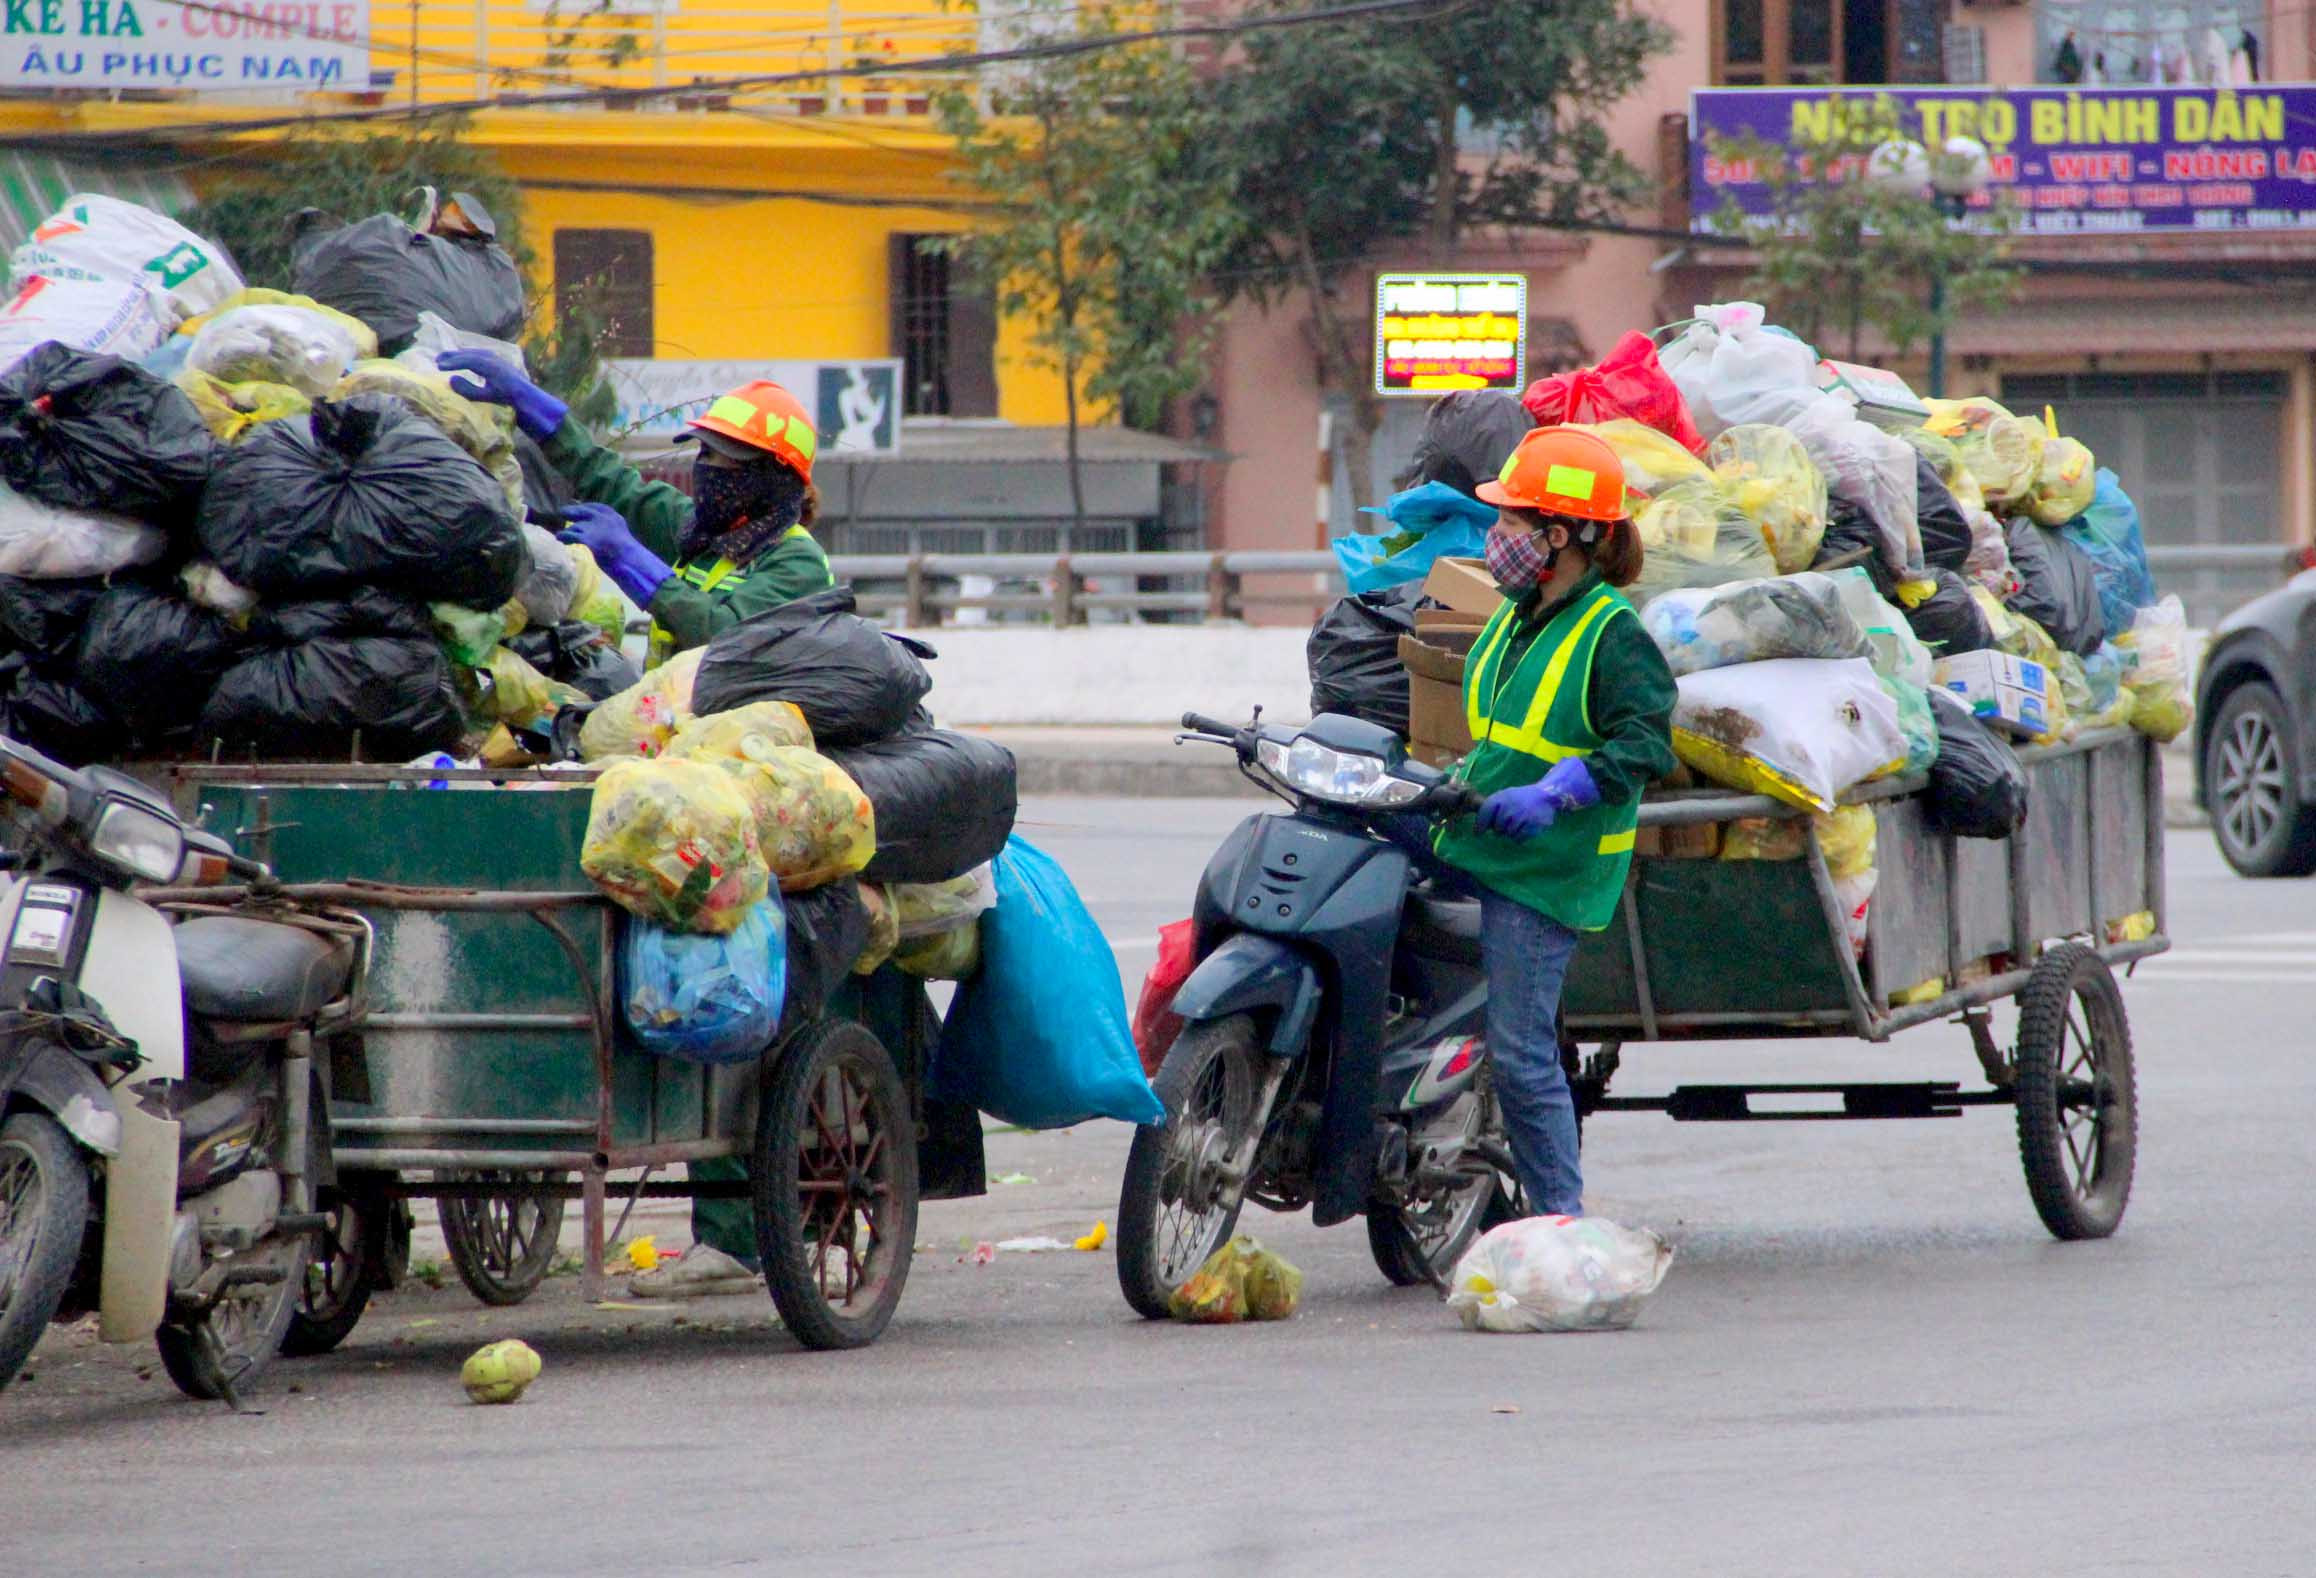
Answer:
x=1558 y=1273
x=1870 y=468
x=1785 y=616
x=307 y=350
x=1898 y=653
x=99 y=238
x=1801 y=730
x=46 y=543
x=124 y=320
x=1727 y=363
x=437 y=334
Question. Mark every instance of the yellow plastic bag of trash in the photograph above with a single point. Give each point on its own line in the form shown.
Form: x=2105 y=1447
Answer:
x=231 y=410
x=597 y=602
x=1766 y=473
x=1694 y=536
x=500 y=1372
x=520 y=696
x=483 y=431
x=812 y=821
x=1653 y=461
x=640 y=720
x=943 y=956
x=2155 y=647
x=2004 y=452
x=675 y=842
x=1846 y=836
x=2065 y=478
x=364 y=337
x=1240 y=1281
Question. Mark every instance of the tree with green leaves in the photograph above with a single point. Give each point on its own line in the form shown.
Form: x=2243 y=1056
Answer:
x=1487 y=114
x=1841 y=252
x=1101 y=172
x=353 y=177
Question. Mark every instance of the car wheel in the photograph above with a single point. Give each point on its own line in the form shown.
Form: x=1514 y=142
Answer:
x=2251 y=783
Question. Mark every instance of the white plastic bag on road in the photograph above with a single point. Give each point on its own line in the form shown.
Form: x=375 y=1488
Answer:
x=124 y=320
x=99 y=238
x=1801 y=730
x=46 y=543
x=1558 y=1273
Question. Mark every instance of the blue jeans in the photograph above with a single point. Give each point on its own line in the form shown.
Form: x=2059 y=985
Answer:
x=1527 y=955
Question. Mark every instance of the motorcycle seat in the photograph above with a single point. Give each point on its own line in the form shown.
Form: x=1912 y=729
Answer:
x=235 y=968
x=1442 y=928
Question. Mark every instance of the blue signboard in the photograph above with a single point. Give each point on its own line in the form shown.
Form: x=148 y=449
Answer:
x=2070 y=160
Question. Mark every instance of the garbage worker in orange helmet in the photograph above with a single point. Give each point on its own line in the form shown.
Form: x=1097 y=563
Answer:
x=741 y=544
x=1570 y=707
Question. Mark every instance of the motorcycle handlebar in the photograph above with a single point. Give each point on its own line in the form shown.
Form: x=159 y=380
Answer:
x=1198 y=723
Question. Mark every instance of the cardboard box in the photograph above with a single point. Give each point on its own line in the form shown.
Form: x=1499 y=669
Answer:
x=1445 y=626
x=1436 y=730
x=1463 y=585
x=1698 y=841
x=2008 y=692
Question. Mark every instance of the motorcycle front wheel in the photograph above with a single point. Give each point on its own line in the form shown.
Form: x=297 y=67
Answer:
x=43 y=1212
x=224 y=1349
x=1439 y=1229
x=1171 y=1211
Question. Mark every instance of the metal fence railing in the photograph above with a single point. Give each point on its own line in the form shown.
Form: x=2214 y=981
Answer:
x=920 y=590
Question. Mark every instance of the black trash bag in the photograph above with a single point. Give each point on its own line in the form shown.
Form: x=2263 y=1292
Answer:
x=363 y=492
x=545 y=492
x=1945 y=529
x=2058 y=587
x=1353 y=655
x=1853 y=540
x=945 y=802
x=1977 y=787
x=44 y=618
x=386 y=273
x=1949 y=620
x=320 y=699
x=828 y=928
x=578 y=653
x=1467 y=435
x=364 y=611
x=853 y=682
x=52 y=716
x=87 y=432
x=150 y=658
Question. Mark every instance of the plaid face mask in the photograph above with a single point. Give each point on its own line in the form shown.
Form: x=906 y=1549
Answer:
x=1517 y=559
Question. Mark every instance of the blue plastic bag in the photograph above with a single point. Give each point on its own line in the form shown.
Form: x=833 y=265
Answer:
x=2109 y=535
x=1443 y=523
x=1039 y=1036
x=706 y=999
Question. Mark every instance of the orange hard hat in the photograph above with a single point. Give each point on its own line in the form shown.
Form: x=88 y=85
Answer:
x=1564 y=472
x=761 y=417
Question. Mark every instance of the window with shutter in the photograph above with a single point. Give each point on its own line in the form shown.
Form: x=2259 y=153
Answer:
x=610 y=272
x=944 y=330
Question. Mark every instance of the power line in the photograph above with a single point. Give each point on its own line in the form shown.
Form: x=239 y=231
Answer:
x=1056 y=49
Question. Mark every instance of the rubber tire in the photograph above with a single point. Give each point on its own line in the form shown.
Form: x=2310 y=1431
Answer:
x=56 y=1246
x=189 y=1365
x=789 y=1272
x=2290 y=848
x=311 y=1335
x=1138 y=1274
x=1391 y=1256
x=2042 y=1148
x=466 y=1254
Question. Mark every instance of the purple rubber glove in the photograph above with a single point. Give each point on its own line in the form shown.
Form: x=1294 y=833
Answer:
x=495 y=380
x=633 y=568
x=1530 y=809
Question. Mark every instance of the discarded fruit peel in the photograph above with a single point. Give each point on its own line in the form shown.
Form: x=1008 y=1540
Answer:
x=500 y=1372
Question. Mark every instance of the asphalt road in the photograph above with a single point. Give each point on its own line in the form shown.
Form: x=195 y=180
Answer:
x=1868 y=1359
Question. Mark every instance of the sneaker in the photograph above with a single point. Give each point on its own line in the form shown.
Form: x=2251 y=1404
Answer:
x=703 y=1270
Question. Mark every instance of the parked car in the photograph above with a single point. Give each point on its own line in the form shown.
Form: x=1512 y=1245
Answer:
x=2255 y=732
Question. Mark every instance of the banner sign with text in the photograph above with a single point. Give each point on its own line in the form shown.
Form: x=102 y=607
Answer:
x=1436 y=332
x=2072 y=160
x=187 y=46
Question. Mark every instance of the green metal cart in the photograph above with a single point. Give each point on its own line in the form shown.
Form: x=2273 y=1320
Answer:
x=491 y=1070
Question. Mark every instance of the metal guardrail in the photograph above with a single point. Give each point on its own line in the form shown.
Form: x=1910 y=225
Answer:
x=922 y=589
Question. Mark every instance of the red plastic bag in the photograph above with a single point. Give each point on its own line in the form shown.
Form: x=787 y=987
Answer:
x=1155 y=1022
x=1629 y=381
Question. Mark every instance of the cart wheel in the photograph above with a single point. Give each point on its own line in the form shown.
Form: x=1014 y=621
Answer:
x=835 y=1174
x=338 y=1282
x=2078 y=1107
x=502 y=1244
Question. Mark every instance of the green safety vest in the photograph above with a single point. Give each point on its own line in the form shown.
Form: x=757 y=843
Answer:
x=1523 y=722
x=707 y=577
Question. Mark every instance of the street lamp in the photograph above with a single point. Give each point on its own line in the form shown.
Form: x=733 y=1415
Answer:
x=1959 y=173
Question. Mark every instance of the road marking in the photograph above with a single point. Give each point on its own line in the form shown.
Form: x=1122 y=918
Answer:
x=2280 y=958
x=2238 y=977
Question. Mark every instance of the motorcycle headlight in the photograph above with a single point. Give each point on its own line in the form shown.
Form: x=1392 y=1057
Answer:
x=1344 y=777
x=138 y=841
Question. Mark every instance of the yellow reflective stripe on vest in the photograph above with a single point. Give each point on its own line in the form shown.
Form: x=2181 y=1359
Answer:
x=714 y=576
x=1528 y=738
x=1491 y=641
x=1618 y=843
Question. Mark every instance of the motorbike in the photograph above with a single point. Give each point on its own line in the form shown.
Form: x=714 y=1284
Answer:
x=1330 y=1053
x=164 y=1144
